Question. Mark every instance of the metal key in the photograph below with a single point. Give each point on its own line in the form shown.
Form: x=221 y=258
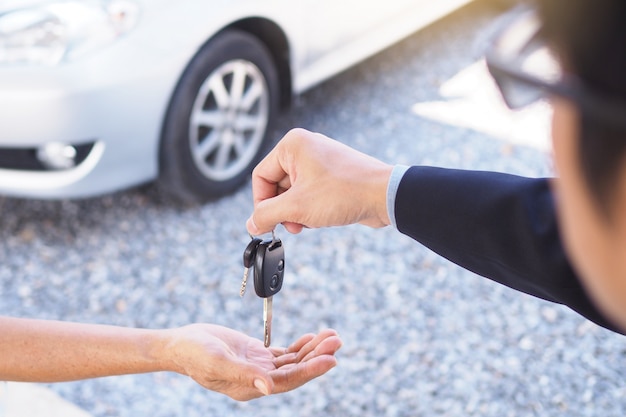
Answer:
x=267 y=321
x=269 y=268
x=248 y=261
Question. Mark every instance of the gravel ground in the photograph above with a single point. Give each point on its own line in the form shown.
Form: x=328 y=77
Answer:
x=421 y=336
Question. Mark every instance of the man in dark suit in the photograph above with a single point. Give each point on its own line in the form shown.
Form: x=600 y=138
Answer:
x=561 y=239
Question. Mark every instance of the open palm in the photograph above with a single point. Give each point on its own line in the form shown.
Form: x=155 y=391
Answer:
x=230 y=362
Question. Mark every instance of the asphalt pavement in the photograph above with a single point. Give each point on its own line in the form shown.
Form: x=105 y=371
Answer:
x=422 y=337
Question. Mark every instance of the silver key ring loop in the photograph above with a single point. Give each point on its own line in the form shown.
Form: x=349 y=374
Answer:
x=273 y=235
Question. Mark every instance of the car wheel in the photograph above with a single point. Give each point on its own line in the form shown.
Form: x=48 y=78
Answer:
x=217 y=124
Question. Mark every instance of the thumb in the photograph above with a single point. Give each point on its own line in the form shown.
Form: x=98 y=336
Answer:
x=271 y=212
x=260 y=380
x=255 y=378
x=263 y=386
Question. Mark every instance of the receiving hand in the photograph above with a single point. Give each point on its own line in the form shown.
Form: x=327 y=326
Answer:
x=310 y=180
x=230 y=362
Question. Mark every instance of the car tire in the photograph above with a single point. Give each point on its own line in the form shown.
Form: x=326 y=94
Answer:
x=218 y=121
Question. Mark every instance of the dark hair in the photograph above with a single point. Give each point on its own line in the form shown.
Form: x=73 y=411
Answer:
x=590 y=38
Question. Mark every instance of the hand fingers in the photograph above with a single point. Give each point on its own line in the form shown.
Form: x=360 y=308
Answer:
x=293 y=228
x=304 y=349
x=281 y=351
x=254 y=230
x=290 y=378
x=284 y=356
x=302 y=340
x=272 y=211
x=271 y=181
x=327 y=342
x=328 y=346
x=269 y=176
x=307 y=358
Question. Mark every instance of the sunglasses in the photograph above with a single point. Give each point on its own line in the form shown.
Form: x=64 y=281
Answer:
x=526 y=70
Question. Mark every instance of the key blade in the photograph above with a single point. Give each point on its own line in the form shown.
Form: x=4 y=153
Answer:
x=267 y=321
x=244 y=283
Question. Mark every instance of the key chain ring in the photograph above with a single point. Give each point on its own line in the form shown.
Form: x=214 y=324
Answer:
x=273 y=236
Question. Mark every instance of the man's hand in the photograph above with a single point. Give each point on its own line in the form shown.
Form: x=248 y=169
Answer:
x=227 y=361
x=310 y=180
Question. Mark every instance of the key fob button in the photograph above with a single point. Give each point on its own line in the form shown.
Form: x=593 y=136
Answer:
x=274 y=282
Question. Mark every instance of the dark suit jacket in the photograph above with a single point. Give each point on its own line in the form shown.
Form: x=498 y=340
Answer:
x=500 y=226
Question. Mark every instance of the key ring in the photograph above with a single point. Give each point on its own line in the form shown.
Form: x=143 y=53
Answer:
x=273 y=235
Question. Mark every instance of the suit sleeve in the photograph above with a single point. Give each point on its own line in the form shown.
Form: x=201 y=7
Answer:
x=500 y=226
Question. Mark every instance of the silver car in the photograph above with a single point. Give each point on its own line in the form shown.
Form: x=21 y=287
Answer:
x=97 y=96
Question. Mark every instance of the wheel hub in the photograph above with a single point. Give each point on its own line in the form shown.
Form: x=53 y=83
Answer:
x=228 y=119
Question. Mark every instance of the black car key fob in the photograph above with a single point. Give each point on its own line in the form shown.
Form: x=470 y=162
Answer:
x=269 y=267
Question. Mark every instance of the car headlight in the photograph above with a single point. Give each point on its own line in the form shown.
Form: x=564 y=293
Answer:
x=62 y=30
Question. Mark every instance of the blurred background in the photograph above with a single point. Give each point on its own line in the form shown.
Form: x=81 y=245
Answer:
x=421 y=336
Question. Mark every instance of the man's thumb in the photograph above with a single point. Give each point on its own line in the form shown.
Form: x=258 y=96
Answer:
x=269 y=213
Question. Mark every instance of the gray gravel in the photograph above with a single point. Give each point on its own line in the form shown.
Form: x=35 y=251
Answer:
x=421 y=336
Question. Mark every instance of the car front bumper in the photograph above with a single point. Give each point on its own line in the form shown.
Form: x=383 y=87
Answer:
x=114 y=101
x=116 y=112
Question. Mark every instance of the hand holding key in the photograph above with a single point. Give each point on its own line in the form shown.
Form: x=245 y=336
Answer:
x=310 y=180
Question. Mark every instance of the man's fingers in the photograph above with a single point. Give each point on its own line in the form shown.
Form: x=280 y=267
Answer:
x=254 y=230
x=274 y=174
x=273 y=211
x=293 y=228
x=265 y=217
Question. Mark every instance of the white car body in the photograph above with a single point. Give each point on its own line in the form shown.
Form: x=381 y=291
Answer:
x=117 y=96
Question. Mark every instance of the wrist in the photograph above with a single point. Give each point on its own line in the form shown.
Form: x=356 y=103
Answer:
x=161 y=348
x=182 y=349
x=376 y=185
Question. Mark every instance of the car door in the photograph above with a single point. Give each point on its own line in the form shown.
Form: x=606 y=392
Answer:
x=337 y=34
x=332 y=23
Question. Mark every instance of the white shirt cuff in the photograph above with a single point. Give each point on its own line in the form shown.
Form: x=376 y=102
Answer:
x=392 y=189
